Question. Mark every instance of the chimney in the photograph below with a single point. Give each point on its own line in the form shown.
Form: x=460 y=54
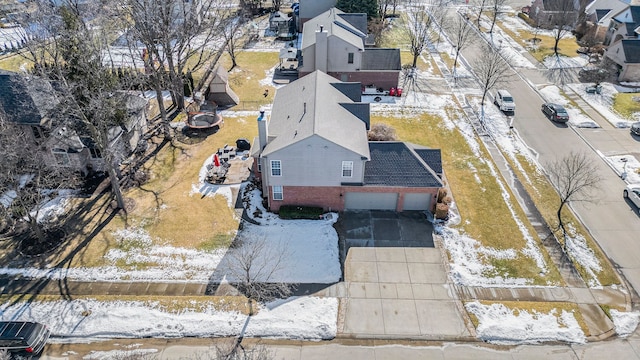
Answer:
x=263 y=133
x=322 y=51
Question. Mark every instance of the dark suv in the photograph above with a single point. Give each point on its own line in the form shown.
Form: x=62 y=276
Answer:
x=22 y=337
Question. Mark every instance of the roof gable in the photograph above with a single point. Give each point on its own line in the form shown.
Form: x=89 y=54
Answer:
x=335 y=26
x=312 y=106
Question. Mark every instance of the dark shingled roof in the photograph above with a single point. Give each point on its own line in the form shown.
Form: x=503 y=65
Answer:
x=25 y=100
x=397 y=164
x=381 y=59
x=432 y=157
x=631 y=51
x=360 y=110
x=600 y=13
x=353 y=90
x=357 y=20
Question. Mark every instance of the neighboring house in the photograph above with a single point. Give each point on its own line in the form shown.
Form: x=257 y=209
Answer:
x=282 y=25
x=308 y=9
x=334 y=42
x=600 y=12
x=549 y=13
x=28 y=102
x=313 y=151
x=623 y=41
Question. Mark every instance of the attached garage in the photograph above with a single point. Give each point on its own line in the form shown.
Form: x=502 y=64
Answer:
x=416 y=201
x=370 y=201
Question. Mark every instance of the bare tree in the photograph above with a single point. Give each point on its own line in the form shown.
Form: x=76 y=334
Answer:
x=234 y=350
x=179 y=36
x=461 y=37
x=480 y=4
x=231 y=32
x=562 y=18
x=254 y=264
x=418 y=28
x=28 y=179
x=575 y=176
x=492 y=70
x=69 y=54
x=496 y=6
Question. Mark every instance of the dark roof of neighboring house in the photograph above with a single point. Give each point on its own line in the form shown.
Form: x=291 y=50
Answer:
x=632 y=24
x=381 y=59
x=397 y=164
x=359 y=110
x=600 y=13
x=631 y=50
x=25 y=99
x=357 y=20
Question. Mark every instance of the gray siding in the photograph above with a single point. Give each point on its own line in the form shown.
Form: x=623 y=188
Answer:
x=338 y=55
x=313 y=162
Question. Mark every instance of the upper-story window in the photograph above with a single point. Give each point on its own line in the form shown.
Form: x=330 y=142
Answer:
x=347 y=168
x=276 y=168
x=350 y=58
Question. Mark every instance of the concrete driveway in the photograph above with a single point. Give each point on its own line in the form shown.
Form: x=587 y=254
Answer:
x=395 y=280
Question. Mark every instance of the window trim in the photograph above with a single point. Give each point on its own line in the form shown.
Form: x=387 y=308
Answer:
x=347 y=166
x=274 y=192
x=278 y=167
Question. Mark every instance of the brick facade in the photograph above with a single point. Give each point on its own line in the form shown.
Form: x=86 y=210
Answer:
x=332 y=198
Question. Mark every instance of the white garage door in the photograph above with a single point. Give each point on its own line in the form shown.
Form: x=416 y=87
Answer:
x=370 y=201
x=417 y=201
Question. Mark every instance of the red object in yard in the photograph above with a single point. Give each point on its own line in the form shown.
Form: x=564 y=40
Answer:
x=216 y=160
x=399 y=92
x=392 y=91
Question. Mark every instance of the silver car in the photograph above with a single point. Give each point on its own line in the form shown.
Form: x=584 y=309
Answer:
x=632 y=192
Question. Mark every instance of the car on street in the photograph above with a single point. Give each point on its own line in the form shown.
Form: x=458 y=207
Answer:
x=635 y=128
x=555 y=112
x=632 y=192
x=23 y=337
x=504 y=101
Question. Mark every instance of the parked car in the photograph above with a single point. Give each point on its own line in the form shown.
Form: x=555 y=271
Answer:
x=635 y=128
x=632 y=192
x=555 y=112
x=23 y=337
x=504 y=101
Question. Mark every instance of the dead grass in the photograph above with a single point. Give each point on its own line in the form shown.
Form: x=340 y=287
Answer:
x=626 y=104
x=245 y=78
x=544 y=47
x=541 y=308
x=485 y=215
x=547 y=201
x=14 y=62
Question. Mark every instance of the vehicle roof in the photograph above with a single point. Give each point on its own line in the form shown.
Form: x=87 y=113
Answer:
x=16 y=329
x=504 y=92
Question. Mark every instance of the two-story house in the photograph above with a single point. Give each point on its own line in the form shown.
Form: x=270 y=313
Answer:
x=600 y=12
x=623 y=41
x=313 y=150
x=29 y=104
x=334 y=43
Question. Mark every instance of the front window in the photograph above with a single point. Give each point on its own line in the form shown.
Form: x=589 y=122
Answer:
x=277 y=193
x=347 y=168
x=276 y=168
x=350 y=60
x=61 y=156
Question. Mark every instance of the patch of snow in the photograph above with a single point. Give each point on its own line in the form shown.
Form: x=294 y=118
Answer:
x=603 y=103
x=576 y=116
x=304 y=318
x=625 y=164
x=501 y=325
x=579 y=250
x=564 y=62
x=119 y=354
x=625 y=322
